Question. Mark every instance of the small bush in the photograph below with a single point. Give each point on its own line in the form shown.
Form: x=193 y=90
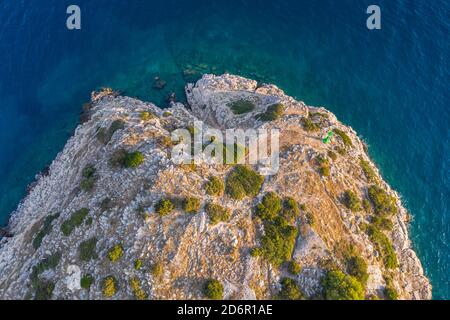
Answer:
x=48 y=263
x=157 y=270
x=191 y=205
x=366 y=205
x=256 y=252
x=242 y=182
x=273 y=112
x=270 y=206
x=45 y=230
x=332 y=155
x=339 y=286
x=390 y=292
x=289 y=290
x=344 y=137
x=126 y=159
x=109 y=286
x=310 y=219
x=214 y=187
x=309 y=126
x=324 y=166
x=86 y=281
x=382 y=223
x=217 y=213
x=138 y=292
x=104 y=136
x=357 y=267
x=164 y=206
x=290 y=210
x=213 y=289
x=87 y=249
x=166 y=114
x=146 y=115
x=384 y=246
x=106 y=204
x=368 y=170
x=75 y=220
x=115 y=253
x=88 y=181
x=44 y=290
x=294 y=267
x=242 y=106
x=166 y=141
x=382 y=201
x=137 y=264
x=351 y=201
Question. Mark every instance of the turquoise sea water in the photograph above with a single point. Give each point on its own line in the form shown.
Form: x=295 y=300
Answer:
x=390 y=85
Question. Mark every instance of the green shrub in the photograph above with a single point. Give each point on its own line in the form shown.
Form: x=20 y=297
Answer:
x=357 y=267
x=48 y=263
x=126 y=159
x=242 y=182
x=109 y=286
x=106 y=204
x=242 y=106
x=217 y=213
x=44 y=290
x=289 y=290
x=384 y=246
x=157 y=270
x=213 y=289
x=382 y=201
x=344 y=137
x=104 y=136
x=390 y=292
x=87 y=249
x=368 y=170
x=137 y=264
x=324 y=166
x=309 y=125
x=351 y=201
x=256 y=252
x=88 y=181
x=278 y=241
x=290 y=210
x=191 y=205
x=273 y=112
x=86 y=281
x=332 y=155
x=339 y=286
x=166 y=114
x=164 y=206
x=382 y=223
x=310 y=219
x=270 y=206
x=138 y=292
x=366 y=205
x=294 y=267
x=214 y=187
x=115 y=253
x=146 y=115
x=45 y=230
x=75 y=220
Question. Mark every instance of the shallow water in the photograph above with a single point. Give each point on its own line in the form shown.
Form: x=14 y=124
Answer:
x=391 y=85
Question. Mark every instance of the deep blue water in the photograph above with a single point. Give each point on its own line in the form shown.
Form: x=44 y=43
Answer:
x=391 y=86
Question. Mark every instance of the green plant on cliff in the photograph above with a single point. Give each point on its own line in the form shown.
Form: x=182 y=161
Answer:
x=213 y=289
x=357 y=267
x=273 y=112
x=109 y=286
x=382 y=201
x=105 y=135
x=242 y=106
x=87 y=249
x=290 y=209
x=309 y=125
x=270 y=206
x=75 y=220
x=86 y=281
x=138 y=292
x=368 y=170
x=339 y=286
x=344 y=137
x=242 y=182
x=45 y=230
x=289 y=290
x=191 y=205
x=384 y=246
x=217 y=213
x=126 y=159
x=88 y=178
x=351 y=201
x=294 y=267
x=115 y=253
x=164 y=206
x=214 y=187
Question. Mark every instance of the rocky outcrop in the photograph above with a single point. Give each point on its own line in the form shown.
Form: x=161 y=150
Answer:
x=187 y=248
